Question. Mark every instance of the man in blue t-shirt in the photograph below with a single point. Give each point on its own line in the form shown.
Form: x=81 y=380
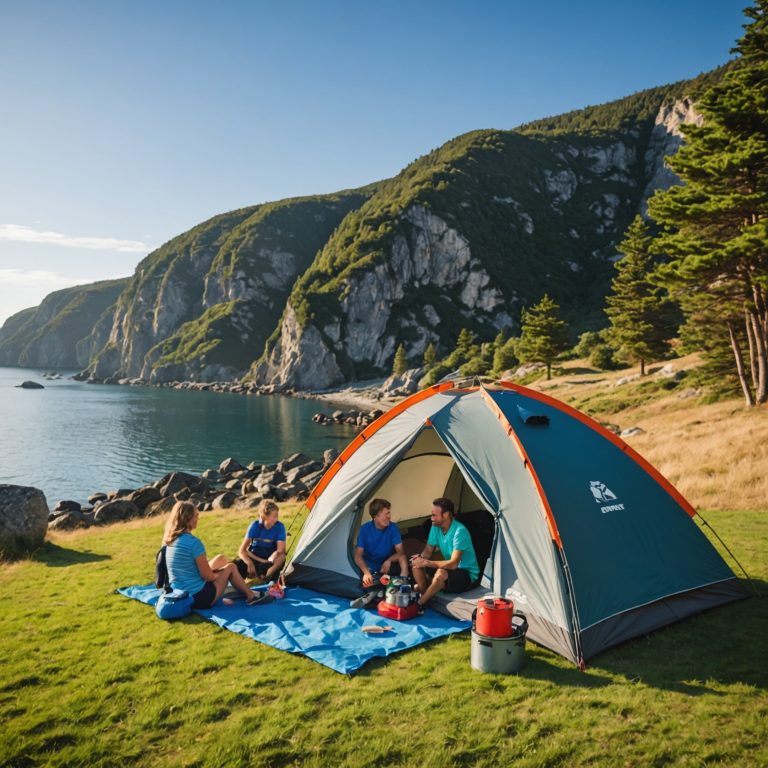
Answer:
x=458 y=570
x=379 y=546
x=262 y=552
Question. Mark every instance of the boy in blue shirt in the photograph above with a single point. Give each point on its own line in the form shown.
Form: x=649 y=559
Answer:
x=379 y=546
x=262 y=552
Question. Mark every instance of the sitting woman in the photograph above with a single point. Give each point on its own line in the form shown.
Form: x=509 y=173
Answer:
x=188 y=568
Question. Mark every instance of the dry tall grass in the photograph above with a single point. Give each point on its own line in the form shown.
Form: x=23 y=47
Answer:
x=715 y=454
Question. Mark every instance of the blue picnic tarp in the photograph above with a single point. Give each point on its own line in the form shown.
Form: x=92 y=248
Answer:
x=322 y=627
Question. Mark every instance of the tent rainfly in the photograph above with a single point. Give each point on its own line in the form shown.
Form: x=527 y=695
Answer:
x=587 y=538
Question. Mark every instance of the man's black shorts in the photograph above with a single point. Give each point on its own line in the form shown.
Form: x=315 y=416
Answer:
x=459 y=579
x=242 y=567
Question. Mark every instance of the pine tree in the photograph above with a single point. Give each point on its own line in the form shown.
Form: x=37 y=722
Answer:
x=715 y=226
x=400 y=364
x=430 y=356
x=642 y=316
x=544 y=335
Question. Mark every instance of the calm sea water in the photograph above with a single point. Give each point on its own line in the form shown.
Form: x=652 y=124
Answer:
x=72 y=439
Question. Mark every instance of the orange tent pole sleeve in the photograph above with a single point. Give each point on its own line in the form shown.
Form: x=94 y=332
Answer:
x=615 y=439
x=370 y=430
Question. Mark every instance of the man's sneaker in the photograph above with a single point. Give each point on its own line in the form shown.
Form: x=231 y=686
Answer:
x=363 y=600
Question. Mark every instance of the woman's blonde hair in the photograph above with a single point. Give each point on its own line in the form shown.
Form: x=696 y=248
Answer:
x=267 y=507
x=178 y=521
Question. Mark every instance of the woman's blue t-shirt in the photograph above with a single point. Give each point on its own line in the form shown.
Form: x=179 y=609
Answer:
x=180 y=556
x=377 y=544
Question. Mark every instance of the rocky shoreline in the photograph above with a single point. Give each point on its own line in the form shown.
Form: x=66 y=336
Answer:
x=378 y=394
x=230 y=485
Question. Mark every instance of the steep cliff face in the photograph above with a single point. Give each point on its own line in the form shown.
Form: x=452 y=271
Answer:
x=49 y=336
x=201 y=307
x=310 y=292
x=468 y=236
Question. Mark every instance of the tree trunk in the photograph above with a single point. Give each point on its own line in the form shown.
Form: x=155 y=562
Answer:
x=642 y=367
x=549 y=371
x=740 y=365
x=752 y=347
x=761 y=388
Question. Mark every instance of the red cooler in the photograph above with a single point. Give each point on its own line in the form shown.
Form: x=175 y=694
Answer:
x=494 y=617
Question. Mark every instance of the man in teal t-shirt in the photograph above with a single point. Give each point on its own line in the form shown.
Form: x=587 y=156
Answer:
x=458 y=571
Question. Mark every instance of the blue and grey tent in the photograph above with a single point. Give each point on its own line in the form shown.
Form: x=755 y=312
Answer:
x=587 y=538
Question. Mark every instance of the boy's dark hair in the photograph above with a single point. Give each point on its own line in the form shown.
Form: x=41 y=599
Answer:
x=445 y=504
x=377 y=505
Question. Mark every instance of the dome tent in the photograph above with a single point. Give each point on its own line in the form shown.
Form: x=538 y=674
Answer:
x=588 y=539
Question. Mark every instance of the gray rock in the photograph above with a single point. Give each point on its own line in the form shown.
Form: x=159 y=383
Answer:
x=115 y=511
x=294 y=460
x=29 y=385
x=272 y=478
x=144 y=496
x=94 y=498
x=175 y=482
x=298 y=473
x=329 y=456
x=23 y=520
x=311 y=480
x=67 y=521
x=224 y=500
x=120 y=493
x=631 y=431
x=228 y=466
x=67 y=506
x=212 y=475
x=160 y=507
x=232 y=484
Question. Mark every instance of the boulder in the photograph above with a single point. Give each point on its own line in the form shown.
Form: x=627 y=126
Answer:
x=249 y=486
x=312 y=480
x=631 y=431
x=228 y=466
x=273 y=478
x=114 y=511
x=29 y=385
x=232 y=484
x=224 y=500
x=67 y=506
x=119 y=493
x=144 y=496
x=174 y=482
x=159 y=507
x=329 y=456
x=294 y=460
x=212 y=475
x=23 y=520
x=67 y=521
x=293 y=490
x=94 y=498
x=297 y=473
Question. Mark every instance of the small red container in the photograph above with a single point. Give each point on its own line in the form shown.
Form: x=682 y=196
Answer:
x=397 y=613
x=494 y=617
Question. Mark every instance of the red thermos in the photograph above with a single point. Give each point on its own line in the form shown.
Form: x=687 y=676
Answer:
x=494 y=617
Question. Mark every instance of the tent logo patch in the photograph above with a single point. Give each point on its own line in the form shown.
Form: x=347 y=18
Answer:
x=604 y=495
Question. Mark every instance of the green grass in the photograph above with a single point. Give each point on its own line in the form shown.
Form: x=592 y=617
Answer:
x=91 y=678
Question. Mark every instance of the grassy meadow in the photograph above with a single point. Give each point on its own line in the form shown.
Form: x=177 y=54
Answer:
x=90 y=678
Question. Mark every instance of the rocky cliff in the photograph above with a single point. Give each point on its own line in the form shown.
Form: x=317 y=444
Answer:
x=201 y=307
x=471 y=234
x=51 y=335
x=310 y=292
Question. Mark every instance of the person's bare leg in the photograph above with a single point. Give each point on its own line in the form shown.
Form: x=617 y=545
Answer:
x=420 y=577
x=218 y=562
x=438 y=582
x=277 y=559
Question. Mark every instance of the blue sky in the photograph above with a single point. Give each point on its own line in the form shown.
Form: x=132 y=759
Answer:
x=124 y=124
